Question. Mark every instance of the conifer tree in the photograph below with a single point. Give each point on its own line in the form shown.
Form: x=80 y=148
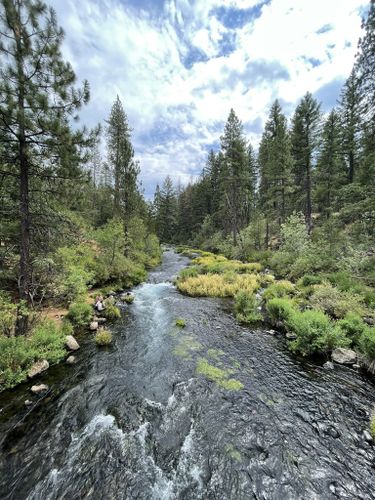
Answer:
x=166 y=211
x=125 y=169
x=330 y=171
x=234 y=175
x=37 y=95
x=350 y=124
x=305 y=134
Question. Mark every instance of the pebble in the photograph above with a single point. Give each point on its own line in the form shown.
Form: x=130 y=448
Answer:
x=71 y=360
x=36 y=389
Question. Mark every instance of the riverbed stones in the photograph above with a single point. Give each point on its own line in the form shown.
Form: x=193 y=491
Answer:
x=37 y=389
x=71 y=360
x=344 y=356
x=37 y=368
x=71 y=343
x=99 y=319
x=328 y=365
x=94 y=325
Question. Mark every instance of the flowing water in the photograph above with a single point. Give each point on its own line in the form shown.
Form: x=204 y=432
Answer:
x=154 y=416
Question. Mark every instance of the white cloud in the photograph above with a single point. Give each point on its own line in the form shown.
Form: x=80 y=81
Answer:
x=176 y=104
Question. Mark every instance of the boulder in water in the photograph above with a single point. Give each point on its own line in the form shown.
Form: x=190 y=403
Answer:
x=344 y=356
x=367 y=436
x=36 y=389
x=37 y=368
x=71 y=360
x=328 y=365
x=71 y=343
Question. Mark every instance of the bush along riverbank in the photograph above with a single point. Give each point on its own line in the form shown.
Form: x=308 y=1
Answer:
x=318 y=317
x=96 y=265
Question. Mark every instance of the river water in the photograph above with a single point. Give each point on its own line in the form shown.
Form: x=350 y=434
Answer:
x=138 y=421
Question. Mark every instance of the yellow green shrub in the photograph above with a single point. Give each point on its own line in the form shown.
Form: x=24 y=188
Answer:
x=216 y=285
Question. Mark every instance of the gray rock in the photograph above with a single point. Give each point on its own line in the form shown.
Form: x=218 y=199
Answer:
x=271 y=332
x=37 y=368
x=328 y=365
x=356 y=367
x=36 y=389
x=28 y=402
x=290 y=336
x=367 y=436
x=71 y=360
x=344 y=356
x=101 y=320
x=111 y=294
x=71 y=343
x=94 y=325
x=369 y=321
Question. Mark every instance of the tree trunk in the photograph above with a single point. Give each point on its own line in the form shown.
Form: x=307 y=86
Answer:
x=308 y=197
x=351 y=167
x=25 y=259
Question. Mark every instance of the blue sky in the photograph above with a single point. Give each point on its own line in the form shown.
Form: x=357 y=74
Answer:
x=180 y=65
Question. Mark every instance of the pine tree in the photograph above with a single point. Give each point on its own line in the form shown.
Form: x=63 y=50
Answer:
x=166 y=202
x=275 y=166
x=330 y=170
x=350 y=124
x=305 y=134
x=37 y=95
x=125 y=169
x=234 y=175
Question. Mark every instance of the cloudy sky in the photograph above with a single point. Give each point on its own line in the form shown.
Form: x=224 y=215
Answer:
x=180 y=65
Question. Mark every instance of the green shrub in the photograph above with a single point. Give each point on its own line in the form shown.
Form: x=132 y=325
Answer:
x=280 y=309
x=189 y=272
x=16 y=355
x=111 y=311
x=279 y=289
x=103 y=337
x=315 y=333
x=48 y=341
x=128 y=299
x=367 y=342
x=334 y=302
x=8 y=313
x=353 y=326
x=80 y=313
x=246 y=307
x=309 y=279
x=180 y=323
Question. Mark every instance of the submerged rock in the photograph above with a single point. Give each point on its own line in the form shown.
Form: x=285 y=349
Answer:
x=328 y=365
x=94 y=325
x=36 y=389
x=344 y=356
x=71 y=360
x=37 y=368
x=71 y=343
x=28 y=402
x=367 y=436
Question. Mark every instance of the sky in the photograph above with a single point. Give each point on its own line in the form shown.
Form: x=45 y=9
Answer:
x=179 y=66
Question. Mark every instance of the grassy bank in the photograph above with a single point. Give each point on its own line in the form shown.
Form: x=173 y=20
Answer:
x=317 y=314
x=94 y=265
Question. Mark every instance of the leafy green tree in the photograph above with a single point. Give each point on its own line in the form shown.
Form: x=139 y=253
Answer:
x=37 y=95
x=305 y=135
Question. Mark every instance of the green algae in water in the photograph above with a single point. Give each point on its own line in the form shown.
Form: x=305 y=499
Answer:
x=215 y=353
x=181 y=323
x=186 y=346
x=218 y=375
x=233 y=453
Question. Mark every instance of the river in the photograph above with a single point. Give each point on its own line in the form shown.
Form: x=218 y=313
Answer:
x=138 y=420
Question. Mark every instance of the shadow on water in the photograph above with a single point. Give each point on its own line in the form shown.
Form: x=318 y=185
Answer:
x=211 y=411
